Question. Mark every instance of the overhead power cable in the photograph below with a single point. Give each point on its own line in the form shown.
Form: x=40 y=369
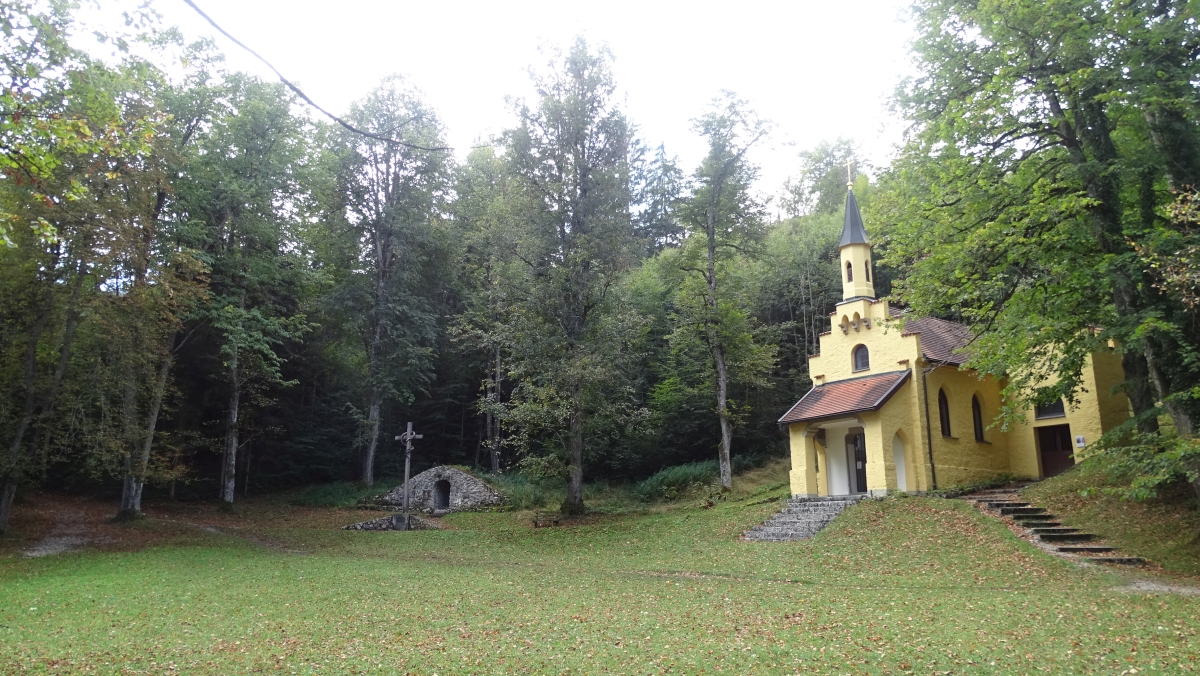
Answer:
x=304 y=96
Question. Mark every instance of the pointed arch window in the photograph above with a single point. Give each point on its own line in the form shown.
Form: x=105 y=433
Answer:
x=849 y=271
x=867 y=270
x=977 y=418
x=862 y=358
x=944 y=413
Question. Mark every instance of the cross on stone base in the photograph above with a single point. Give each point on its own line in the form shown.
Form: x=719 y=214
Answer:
x=402 y=523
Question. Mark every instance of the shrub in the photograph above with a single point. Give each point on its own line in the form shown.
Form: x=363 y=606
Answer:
x=342 y=493
x=524 y=492
x=1149 y=464
x=670 y=483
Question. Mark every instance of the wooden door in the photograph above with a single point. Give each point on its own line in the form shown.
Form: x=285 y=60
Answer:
x=1054 y=445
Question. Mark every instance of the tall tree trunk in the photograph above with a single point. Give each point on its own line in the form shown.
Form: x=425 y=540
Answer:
x=723 y=416
x=229 y=472
x=494 y=420
x=374 y=368
x=368 y=470
x=1088 y=138
x=574 y=503
x=718 y=353
x=135 y=479
x=12 y=466
x=229 y=467
x=1179 y=415
x=129 y=435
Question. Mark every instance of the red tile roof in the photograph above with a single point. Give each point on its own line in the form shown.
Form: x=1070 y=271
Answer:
x=844 y=397
x=941 y=341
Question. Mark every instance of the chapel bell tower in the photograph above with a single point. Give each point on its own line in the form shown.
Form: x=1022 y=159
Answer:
x=856 y=254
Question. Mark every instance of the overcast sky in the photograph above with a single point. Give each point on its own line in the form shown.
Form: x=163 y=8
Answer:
x=820 y=70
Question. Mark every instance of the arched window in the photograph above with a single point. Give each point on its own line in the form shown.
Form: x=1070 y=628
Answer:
x=849 y=271
x=867 y=271
x=862 y=358
x=977 y=418
x=944 y=413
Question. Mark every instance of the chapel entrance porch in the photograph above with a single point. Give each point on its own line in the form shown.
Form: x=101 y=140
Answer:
x=846 y=458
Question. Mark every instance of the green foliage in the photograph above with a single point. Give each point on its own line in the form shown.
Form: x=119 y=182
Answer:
x=678 y=481
x=673 y=482
x=342 y=494
x=1147 y=465
x=1044 y=145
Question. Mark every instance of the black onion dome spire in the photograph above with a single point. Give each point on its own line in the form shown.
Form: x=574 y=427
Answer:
x=853 y=231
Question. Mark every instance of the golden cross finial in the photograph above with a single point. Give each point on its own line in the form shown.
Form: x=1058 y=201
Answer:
x=849 y=175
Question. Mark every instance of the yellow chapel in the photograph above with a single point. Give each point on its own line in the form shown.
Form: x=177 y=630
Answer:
x=893 y=409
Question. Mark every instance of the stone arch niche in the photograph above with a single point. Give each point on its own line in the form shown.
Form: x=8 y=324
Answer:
x=445 y=489
x=441 y=495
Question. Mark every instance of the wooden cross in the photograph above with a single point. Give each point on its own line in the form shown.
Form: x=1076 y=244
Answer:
x=407 y=438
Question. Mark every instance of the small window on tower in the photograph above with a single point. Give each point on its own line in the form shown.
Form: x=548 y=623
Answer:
x=862 y=359
x=849 y=271
x=867 y=271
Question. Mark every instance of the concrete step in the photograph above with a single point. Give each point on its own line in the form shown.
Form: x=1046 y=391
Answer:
x=1118 y=560
x=1086 y=549
x=1034 y=525
x=1053 y=530
x=1014 y=511
x=1067 y=537
x=993 y=504
x=1030 y=518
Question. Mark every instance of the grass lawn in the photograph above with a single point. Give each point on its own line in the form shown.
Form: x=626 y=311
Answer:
x=910 y=585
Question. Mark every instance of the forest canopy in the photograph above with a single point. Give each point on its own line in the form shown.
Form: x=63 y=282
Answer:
x=208 y=291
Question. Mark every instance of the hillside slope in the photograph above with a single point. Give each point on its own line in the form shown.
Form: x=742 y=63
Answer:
x=1165 y=531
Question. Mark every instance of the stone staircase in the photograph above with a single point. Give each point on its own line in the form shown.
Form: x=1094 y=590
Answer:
x=1045 y=529
x=801 y=518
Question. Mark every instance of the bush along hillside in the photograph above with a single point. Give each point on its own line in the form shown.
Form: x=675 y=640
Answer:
x=1098 y=496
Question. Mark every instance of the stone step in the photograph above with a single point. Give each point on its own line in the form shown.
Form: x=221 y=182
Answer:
x=800 y=518
x=1030 y=518
x=792 y=521
x=1086 y=549
x=1053 y=530
x=1067 y=537
x=1118 y=560
x=1034 y=525
x=1013 y=511
x=993 y=504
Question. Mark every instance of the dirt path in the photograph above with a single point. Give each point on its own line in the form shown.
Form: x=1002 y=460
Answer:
x=68 y=535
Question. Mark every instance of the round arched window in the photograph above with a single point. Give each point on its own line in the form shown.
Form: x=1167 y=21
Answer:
x=977 y=418
x=862 y=358
x=849 y=271
x=944 y=413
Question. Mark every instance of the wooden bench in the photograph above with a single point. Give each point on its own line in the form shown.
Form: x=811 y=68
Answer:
x=544 y=519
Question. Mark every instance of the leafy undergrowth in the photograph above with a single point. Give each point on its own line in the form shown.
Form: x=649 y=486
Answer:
x=906 y=585
x=342 y=493
x=1165 y=530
